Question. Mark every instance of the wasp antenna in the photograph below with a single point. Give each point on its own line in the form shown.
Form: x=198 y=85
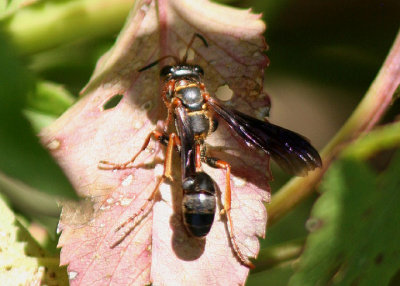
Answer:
x=157 y=61
x=190 y=45
x=201 y=38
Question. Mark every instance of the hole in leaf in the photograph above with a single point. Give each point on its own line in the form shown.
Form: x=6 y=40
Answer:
x=148 y=105
x=224 y=93
x=113 y=101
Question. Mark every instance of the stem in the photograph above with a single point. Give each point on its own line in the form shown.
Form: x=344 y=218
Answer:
x=275 y=255
x=47 y=24
x=367 y=114
x=49 y=261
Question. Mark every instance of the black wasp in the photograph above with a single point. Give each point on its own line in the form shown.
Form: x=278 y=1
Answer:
x=196 y=115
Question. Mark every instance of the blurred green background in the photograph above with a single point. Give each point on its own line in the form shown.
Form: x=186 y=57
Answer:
x=324 y=55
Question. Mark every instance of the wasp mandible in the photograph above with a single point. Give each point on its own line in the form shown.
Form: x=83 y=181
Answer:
x=195 y=114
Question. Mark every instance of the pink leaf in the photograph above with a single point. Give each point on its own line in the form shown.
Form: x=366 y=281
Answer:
x=102 y=241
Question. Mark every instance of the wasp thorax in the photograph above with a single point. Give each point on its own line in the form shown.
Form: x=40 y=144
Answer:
x=198 y=204
x=191 y=97
x=182 y=83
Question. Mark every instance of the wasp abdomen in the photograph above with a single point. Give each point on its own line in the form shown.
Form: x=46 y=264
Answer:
x=198 y=213
x=199 y=204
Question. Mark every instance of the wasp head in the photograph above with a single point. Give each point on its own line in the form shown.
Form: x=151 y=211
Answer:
x=181 y=71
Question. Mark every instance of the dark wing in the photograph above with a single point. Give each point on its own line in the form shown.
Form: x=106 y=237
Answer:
x=291 y=151
x=186 y=136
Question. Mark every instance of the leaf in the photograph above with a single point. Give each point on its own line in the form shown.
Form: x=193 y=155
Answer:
x=21 y=156
x=385 y=137
x=49 y=98
x=98 y=241
x=46 y=103
x=9 y=7
x=22 y=261
x=17 y=192
x=355 y=228
x=276 y=276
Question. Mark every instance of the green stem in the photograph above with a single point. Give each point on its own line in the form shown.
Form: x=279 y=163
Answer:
x=367 y=114
x=272 y=256
x=49 y=261
x=47 y=24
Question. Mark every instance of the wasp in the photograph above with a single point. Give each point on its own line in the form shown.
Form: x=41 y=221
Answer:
x=196 y=115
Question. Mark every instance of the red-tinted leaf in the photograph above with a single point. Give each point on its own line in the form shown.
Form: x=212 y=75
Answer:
x=158 y=250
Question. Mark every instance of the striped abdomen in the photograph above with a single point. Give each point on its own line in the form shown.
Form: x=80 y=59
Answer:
x=198 y=204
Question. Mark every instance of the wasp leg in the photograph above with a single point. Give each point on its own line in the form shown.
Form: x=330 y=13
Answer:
x=135 y=219
x=148 y=205
x=198 y=156
x=106 y=165
x=216 y=163
x=173 y=141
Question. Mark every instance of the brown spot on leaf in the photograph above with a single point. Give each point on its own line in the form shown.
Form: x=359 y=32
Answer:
x=367 y=213
x=313 y=224
x=379 y=258
x=356 y=281
x=52 y=274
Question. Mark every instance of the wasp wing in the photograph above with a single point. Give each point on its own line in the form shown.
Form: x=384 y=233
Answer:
x=291 y=151
x=186 y=136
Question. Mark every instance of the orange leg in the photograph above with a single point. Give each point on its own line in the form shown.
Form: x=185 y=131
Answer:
x=148 y=205
x=168 y=120
x=171 y=106
x=106 y=165
x=198 y=156
x=172 y=142
x=213 y=162
x=169 y=88
x=135 y=219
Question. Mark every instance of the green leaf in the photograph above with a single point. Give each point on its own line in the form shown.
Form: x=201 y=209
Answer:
x=355 y=228
x=21 y=155
x=49 y=98
x=38 y=120
x=17 y=192
x=47 y=24
x=277 y=254
x=276 y=276
x=382 y=138
x=47 y=102
x=8 y=7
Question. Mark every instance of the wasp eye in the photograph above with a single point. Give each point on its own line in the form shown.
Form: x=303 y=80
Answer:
x=166 y=71
x=198 y=70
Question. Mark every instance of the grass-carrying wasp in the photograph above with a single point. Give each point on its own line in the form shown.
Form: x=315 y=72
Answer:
x=196 y=116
